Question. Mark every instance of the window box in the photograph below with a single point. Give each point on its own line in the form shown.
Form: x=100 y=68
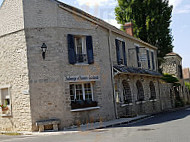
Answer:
x=152 y=100
x=83 y=104
x=129 y=104
x=85 y=109
x=140 y=102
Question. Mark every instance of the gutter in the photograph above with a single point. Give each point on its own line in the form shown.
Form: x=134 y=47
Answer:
x=112 y=75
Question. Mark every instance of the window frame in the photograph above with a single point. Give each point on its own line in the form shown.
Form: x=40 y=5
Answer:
x=83 y=90
x=10 y=102
x=121 y=51
x=129 y=97
x=139 y=63
x=83 y=43
x=152 y=88
x=152 y=52
x=84 y=49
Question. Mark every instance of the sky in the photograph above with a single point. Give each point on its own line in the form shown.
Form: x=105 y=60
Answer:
x=180 y=25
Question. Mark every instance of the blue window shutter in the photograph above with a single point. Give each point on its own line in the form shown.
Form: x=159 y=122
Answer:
x=89 y=47
x=153 y=65
x=71 y=49
x=117 y=51
x=148 y=58
x=124 y=53
x=137 y=52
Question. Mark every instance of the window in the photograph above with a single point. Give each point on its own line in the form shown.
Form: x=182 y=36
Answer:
x=140 y=93
x=80 y=49
x=152 y=91
x=138 y=59
x=5 y=101
x=121 y=53
x=148 y=58
x=127 y=98
x=82 y=95
x=153 y=62
x=180 y=71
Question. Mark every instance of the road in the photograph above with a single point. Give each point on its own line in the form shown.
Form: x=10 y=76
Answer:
x=165 y=127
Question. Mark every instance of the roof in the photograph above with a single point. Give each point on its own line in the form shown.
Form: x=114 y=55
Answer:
x=100 y=22
x=173 y=54
x=133 y=70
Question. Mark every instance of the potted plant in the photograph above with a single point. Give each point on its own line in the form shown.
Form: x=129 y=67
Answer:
x=4 y=107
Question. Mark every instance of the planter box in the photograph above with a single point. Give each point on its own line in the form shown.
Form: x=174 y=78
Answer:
x=83 y=104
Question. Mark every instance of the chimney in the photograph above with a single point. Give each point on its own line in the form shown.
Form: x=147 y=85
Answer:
x=128 y=27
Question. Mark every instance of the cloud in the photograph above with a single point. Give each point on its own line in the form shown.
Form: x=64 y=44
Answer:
x=92 y=3
x=183 y=10
x=175 y=3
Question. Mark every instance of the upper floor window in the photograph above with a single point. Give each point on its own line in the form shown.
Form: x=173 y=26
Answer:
x=148 y=58
x=80 y=49
x=138 y=58
x=153 y=60
x=121 y=52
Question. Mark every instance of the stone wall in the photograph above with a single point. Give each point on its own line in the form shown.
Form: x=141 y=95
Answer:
x=147 y=106
x=11 y=16
x=14 y=74
x=131 y=52
x=50 y=94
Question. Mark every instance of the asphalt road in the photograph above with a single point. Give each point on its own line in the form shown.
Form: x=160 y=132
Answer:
x=165 y=127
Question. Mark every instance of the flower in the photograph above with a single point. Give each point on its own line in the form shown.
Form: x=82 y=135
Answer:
x=2 y=106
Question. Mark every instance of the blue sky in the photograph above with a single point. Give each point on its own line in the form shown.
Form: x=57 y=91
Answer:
x=180 y=25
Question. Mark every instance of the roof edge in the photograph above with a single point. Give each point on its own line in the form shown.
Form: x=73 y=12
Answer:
x=102 y=23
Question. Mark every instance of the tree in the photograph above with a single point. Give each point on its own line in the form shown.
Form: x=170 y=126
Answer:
x=151 y=22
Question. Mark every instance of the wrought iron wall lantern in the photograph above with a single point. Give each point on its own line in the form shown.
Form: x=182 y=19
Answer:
x=44 y=49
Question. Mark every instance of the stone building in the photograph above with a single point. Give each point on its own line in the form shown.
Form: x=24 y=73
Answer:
x=60 y=62
x=173 y=66
x=186 y=75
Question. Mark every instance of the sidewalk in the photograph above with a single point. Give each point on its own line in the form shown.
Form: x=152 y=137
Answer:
x=91 y=126
x=97 y=125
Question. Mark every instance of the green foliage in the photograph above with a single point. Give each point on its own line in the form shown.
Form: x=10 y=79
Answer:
x=170 y=79
x=179 y=103
x=187 y=85
x=151 y=21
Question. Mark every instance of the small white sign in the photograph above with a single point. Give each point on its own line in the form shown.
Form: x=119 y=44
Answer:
x=82 y=78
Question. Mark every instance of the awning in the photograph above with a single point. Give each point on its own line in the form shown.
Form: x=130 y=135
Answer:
x=133 y=70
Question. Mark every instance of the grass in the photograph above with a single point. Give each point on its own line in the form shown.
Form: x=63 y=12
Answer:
x=10 y=134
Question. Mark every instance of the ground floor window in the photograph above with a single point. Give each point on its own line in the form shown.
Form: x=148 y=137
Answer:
x=81 y=95
x=152 y=91
x=5 y=103
x=127 y=97
x=140 y=93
